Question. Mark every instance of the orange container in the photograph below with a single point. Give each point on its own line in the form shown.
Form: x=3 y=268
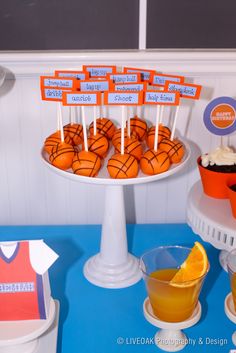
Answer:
x=232 y=198
x=215 y=184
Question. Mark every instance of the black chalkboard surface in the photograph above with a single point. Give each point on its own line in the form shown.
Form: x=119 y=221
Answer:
x=68 y=24
x=191 y=24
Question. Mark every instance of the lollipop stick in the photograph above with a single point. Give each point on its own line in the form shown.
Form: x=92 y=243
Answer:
x=94 y=120
x=174 y=123
x=128 y=124
x=71 y=115
x=122 y=129
x=221 y=141
x=84 y=129
x=157 y=128
x=161 y=114
x=59 y=117
x=139 y=111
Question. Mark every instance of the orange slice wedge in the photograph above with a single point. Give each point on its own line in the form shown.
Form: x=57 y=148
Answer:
x=194 y=267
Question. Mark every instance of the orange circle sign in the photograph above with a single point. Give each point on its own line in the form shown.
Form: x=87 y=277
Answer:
x=223 y=116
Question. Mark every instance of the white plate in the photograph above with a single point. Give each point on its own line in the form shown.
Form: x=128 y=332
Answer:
x=104 y=178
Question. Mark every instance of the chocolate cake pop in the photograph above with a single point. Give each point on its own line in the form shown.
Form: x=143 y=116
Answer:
x=132 y=147
x=98 y=144
x=54 y=140
x=122 y=166
x=75 y=131
x=163 y=132
x=104 y=127
x=62 y=156
x=117 y=136
x=175 y=149
x=154 y=162
x=139 y=126
x=86 y=163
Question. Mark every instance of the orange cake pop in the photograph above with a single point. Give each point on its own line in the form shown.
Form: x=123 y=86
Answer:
x=163 y=132
x=139 y=126
x=98 y=144
x=132 y=147
x=86 y=163
x=104 y=127
x=117 y=136
x=62 y=156
x=54 y=140
x=154 y=162
x=75 y=131
x=175 y=149
x=122 y=166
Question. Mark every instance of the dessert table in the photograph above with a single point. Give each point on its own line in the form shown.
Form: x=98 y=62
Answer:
x=94 y=319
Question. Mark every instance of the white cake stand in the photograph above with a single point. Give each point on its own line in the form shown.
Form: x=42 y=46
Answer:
x=230 y=313
x=113 y=266
x=30 y=336
x=212 y=219
x=170 y=338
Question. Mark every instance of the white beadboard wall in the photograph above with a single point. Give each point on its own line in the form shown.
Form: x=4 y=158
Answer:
x=31 y=194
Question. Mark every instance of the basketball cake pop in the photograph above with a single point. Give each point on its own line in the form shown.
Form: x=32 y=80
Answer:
x=154 y=162
x=175 y=149
x=132 y=147
x=86 y=163
x=104 y=127
x=139 y=126
x=62 y=156
x=117 y=136
x=75 y=131
x=54 y=140
x=163 y=132
x=98 y=144
x=122 y=166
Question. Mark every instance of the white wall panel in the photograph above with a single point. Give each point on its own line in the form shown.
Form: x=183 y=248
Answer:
x=31 y=194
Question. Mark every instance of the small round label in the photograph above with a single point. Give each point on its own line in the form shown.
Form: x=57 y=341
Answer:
x=220 y=116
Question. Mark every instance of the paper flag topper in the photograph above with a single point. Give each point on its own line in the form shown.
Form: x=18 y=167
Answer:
x=24 y=285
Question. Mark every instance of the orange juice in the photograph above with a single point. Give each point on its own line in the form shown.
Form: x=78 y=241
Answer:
x=233 y=288
x=172 y=303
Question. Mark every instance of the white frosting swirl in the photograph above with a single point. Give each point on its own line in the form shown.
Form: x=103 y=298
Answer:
x=220 y=156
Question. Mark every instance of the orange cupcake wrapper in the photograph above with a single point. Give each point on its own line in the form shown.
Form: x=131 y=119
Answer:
x=215 y=184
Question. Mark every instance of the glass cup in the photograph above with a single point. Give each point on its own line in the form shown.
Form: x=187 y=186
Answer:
x=169 y=302
x=231 y=265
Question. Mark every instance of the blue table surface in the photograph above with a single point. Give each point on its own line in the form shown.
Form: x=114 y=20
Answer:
x=94 y=319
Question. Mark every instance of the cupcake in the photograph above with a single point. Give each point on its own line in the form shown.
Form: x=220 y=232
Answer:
x=217 y=168
x=232 y=196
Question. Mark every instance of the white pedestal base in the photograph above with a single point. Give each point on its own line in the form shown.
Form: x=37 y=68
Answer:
x=113 y=267
x=170 y=338
x=231 y=313
x=112 y=276
x=33 y=336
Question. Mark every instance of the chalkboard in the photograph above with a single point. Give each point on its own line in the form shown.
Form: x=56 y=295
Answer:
x=68 y=24
x=191 y=24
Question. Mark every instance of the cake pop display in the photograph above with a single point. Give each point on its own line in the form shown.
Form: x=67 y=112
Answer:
x=117 y=136
x=86 y=163
x=175 y=149
x=98 y=144
x=139 y=126
x=62 y=155
x=163 y=132
x=154 y=162
x=132 y=147
x=121 y=166
x=104 y=126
